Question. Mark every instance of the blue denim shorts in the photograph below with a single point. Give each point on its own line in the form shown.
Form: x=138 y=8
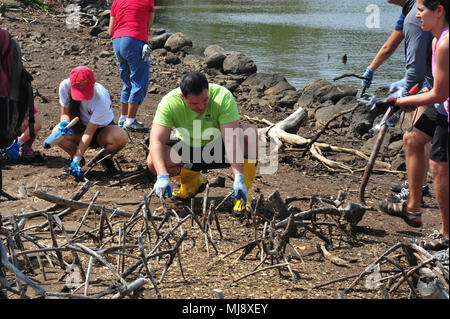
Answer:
x=134 y=71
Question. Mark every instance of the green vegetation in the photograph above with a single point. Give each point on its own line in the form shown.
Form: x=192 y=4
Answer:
x=37 y=4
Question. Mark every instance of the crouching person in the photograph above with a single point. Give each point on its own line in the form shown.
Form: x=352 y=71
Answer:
x=208 y=135
x=80 y=96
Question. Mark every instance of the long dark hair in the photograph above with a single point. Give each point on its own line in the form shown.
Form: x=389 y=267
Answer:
x=433 y=4
x=74 y=111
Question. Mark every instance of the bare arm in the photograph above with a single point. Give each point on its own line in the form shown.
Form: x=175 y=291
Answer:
x=151 y=19
x=440 y=91
x=65 y=115
x=86 y=139
x=234 y=147
x=158 y=137
x=387 y=49
x=111 y=26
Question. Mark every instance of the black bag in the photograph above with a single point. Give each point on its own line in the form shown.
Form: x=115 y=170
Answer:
x=16 y=92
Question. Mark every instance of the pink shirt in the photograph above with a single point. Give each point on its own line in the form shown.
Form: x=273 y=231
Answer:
x=433 y=65
x=131 y=18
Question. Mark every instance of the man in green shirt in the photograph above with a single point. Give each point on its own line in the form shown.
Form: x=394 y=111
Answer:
x=206 y=122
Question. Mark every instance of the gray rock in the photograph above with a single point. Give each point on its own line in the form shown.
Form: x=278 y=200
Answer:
x=95 y=31
x=215 y=60
x=213 y=49
x=279 y=88
x=368 y=146
x=157 y=31
x=335 y=93
x=290 y=98
x=104 y=35
x=189 y=50
x=396 y=146
x=324 y=114
x=159 y=52
x=238 y=63
x=158 y=42
x=172 y=58
x=310 y=90
x=177 y=41
x=263 y=80
x=193 y=60
x=398 y=163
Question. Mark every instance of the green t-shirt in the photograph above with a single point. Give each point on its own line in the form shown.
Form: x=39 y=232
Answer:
x=193 y=128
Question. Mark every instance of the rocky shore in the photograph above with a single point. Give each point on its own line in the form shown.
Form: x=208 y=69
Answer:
x=50 y=48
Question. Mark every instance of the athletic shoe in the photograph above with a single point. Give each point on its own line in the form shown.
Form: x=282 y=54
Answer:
x=135 y=127
x=109 y=167
x=403 y=196
x=121 y=123
x=399 y=187
x=27 y=154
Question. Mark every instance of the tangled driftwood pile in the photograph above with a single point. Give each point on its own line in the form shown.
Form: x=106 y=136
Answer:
x=131 y=245
x=126 y=244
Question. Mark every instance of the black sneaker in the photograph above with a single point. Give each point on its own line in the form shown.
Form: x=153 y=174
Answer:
x=109 y=167
x=403 y=196
x=397 y=188
x=135 y=127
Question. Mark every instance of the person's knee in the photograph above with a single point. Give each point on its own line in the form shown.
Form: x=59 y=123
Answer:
x=439 y=170
x=413 y=142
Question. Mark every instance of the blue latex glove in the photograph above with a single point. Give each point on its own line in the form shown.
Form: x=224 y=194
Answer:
x=146 y=52
x=163 y=186
x=239 y=189
x=369 y=74
x=75 y=167
x=12 y=152
x=397 y=89
x=63 y=130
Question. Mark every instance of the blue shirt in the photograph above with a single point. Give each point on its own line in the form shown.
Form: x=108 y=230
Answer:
x=399 y=23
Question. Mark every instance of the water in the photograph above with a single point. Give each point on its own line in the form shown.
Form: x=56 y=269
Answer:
x=299 y=39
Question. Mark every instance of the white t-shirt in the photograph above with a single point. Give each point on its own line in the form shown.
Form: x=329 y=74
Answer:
x=97 y=110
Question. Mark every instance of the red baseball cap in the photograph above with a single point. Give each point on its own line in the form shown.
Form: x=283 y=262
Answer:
x=82 y=82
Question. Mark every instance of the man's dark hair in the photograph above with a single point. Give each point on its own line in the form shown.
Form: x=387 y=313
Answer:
x=433 y=4
x=193 y=83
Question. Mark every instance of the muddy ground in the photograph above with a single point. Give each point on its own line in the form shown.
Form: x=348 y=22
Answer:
x=50 y=51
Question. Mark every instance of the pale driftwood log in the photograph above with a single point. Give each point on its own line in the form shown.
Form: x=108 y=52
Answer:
x=278 y=131
x=78 y=205
x=334 y=259
x=94 y=198
x=138 y=283
x=279 y=135
x=100 y=258
x=38 y=290
x=317 y=153
x=325 y=146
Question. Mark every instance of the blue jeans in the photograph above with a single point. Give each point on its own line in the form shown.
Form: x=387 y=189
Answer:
x=134 y=71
